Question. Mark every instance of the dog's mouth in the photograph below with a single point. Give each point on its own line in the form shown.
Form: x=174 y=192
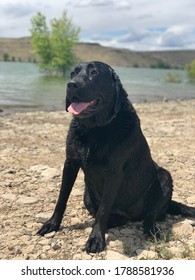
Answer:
x=76 y=108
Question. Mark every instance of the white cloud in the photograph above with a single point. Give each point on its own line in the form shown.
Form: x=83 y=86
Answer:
x=138 y=24
x=17 y=9
x=177 y=36
x=87 y=3
x=122 y=4
x=133 y=35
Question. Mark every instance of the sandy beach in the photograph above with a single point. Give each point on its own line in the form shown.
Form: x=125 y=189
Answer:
x=32 y=153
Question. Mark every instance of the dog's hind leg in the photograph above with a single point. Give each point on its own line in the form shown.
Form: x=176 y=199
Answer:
x=177 y=208
x=157 y=202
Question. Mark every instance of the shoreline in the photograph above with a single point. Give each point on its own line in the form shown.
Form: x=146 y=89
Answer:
x=32 y=154
x=22 y=109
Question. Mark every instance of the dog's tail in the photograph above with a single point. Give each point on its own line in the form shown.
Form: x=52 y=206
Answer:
x=177 y=208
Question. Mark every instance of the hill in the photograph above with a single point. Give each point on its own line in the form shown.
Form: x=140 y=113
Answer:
x=21 y=50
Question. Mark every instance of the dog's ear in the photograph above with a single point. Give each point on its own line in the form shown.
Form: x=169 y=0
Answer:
x=120 y=92
x=67 y=104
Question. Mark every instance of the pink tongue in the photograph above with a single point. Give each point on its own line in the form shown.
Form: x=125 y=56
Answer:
x=76 y=108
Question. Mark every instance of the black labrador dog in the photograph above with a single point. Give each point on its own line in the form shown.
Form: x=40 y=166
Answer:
x=122 y=182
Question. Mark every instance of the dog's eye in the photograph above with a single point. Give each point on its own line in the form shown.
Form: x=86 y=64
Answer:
x=72 y=74
x=75 y=72
x=94 y=72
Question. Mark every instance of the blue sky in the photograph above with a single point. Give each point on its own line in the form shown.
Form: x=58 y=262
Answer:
x=133 y=24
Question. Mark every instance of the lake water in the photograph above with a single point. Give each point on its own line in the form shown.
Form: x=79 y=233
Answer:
x=24 y=88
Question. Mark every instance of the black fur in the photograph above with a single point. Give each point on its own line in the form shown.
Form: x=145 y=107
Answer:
x=122 y=182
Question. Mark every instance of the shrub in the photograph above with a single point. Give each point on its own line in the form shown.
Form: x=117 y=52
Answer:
x=6 y=57
x=161 y=65
x=191 y=70
x=173 y=78
x=135 y=65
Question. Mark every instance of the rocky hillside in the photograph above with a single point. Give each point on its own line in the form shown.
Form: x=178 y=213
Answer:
x=21 y=50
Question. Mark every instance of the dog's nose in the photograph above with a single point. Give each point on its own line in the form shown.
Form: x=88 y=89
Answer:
x=72 y=85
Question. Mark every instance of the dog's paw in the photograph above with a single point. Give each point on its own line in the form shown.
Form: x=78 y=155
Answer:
x=48 y=226
x=95 y=244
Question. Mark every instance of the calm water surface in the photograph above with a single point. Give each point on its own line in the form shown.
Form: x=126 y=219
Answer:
x=24 y=88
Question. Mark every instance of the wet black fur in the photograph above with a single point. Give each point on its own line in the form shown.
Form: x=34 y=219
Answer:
x=122 y=182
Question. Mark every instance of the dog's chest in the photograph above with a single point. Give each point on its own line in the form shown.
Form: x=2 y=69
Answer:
x=96 y=148
x=92 y=154
x=92 y=150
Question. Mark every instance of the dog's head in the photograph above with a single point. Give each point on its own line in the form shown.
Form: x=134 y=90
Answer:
x=94 y=93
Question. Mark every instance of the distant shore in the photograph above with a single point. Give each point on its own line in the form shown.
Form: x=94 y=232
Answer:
x=20 y=49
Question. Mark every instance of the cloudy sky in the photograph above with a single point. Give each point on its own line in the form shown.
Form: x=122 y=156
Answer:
x=133 y=24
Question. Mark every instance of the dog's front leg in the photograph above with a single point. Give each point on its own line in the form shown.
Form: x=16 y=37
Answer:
x=69 y=176
x=96 y=242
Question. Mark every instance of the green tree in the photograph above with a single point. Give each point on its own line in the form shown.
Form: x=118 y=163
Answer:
x=6 y=57
x=55 y=45
x=191 y=70
x=41 y=40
